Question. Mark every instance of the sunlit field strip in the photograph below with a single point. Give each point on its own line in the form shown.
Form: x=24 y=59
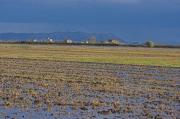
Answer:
x=116 y=55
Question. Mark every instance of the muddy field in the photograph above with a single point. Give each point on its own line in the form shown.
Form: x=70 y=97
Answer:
x=45 y=89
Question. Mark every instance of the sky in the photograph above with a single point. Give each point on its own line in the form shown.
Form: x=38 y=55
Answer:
x=131 y=20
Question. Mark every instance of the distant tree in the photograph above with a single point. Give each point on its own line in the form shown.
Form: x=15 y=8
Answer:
x=149 y=44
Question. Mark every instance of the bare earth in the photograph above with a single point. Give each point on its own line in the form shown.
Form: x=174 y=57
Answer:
x=45 y=89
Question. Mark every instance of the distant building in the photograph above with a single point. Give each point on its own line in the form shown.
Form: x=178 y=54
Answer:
x=34 y=40
x=104 y=42
x=68 y=41
x=50 y=40
x=113 y=41
x=91 y=40
x=87 y=41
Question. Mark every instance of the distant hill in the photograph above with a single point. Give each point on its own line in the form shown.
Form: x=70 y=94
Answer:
x=57 y=36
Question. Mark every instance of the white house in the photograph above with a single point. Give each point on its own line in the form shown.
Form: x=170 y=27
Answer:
x=68 y=41
x=50 y=40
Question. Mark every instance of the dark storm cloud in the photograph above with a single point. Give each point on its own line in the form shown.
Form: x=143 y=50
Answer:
x=136 y=19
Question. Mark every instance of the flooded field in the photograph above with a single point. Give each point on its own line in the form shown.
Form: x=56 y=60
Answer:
x=36 y=89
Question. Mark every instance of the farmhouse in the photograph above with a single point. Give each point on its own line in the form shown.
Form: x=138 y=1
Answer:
x=91 y=40
x=68 y=41
x=113 y=41
x=50 y=40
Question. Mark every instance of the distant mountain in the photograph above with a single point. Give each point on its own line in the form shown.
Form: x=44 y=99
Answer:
x=57 y=36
